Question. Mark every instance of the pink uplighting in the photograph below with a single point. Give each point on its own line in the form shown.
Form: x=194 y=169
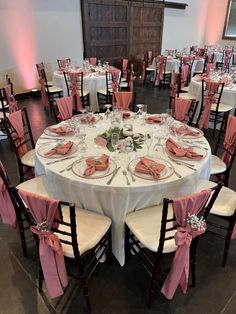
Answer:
x=20 y=34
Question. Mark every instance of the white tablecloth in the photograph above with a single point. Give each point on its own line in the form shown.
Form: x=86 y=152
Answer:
x=92 y=82
x=118 y=199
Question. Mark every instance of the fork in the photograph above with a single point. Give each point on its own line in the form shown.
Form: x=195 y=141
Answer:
x=127 y=179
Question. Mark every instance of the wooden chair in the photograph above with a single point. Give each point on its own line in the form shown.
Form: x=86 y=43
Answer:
x=105 y=95
x=23 y=147
x=190 y=116
x=186 y=62
x=221 y=166
x=148 y=69
x=150 y=235
x=4 y=106
x=165 y=76
x=63 y=63
x=224 y=211
x=85 y=238
x=77 y=79
x=39 y=67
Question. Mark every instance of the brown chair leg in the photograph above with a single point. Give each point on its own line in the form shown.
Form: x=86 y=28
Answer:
x=228 y=239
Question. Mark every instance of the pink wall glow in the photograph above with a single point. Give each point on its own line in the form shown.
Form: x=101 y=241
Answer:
x=215 y=21
x=20 y=33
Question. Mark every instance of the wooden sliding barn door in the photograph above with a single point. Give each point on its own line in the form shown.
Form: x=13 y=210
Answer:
x=115 y=29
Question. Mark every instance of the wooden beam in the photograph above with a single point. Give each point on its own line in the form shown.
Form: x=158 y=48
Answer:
x=175 y=5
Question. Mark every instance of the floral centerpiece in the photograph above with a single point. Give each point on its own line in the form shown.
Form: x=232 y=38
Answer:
x=104 y=139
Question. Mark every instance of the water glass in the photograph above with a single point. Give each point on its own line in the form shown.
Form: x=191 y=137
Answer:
x=148 y=141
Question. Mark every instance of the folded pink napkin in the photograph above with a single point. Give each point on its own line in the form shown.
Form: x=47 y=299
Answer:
x=101 y=141
x=149 y=166
x=154 y=119
x=184 y=129
x=95 y=164
x=60 y=149
x=60 y=130
x=179 y=151
x=88 y=119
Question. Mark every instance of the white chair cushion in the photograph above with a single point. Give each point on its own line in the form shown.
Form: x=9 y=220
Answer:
x=38 y=185
x=91 y=227
x=54 y=89
x=186 y=96
x=145 y=224
x=217 y=165
x=50 y=83
x=222 y=107
x=185 y=89
x=104 y=91
x=85 y=93
x=225 y=203
x=123 y=84
x=150 y=69
x=123 y=79
x=29 y=158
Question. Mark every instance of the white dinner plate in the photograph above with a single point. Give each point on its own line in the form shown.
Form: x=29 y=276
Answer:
x=165 y=173
x=79 y=167
x=196 y=149
x=200 y=133
x=44 y=148
x=47 y=131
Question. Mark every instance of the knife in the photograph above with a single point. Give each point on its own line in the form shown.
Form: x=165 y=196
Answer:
x=53 y=162
x=112 y=177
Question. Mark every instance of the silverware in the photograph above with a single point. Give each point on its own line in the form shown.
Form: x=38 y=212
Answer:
x=69 y=167
x=58 y=160
x=183 y=164
x=112 y=177
x=131 y=174
x=175 y=172
x=51 y=138
x=127 y=179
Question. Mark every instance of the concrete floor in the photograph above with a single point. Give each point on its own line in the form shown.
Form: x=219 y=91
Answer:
x=113 y=289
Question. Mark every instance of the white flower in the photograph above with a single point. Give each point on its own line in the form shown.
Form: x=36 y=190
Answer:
x=196 y=222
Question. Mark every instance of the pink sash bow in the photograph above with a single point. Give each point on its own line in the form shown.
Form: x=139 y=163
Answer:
x=65 y=107
x=74 y=88
x=7 y=211
x=124 y=68
x=159 y=69
x=179 y=272
x=45 y=210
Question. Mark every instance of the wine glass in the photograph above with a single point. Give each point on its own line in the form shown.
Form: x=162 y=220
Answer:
x=81 y=135
x=114 y=142
x=90 y=116
x=144 y=111
x=148 y=141
x=139 y=113
x=108 y=111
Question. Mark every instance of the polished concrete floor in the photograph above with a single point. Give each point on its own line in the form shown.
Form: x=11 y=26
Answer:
x=113 y=289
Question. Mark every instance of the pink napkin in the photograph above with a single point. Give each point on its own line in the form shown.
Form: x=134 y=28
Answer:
x=61 y=149
x=154 y=119
x=60 y=130
x=95 y=164
x=179 y=151
x=184 y=129
x=148 y=166
x=100 y=141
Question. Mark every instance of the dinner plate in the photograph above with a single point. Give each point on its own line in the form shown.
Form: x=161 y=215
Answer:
x=71 y=131
x=153 y=122
x=79 y=167
x=200 y=133
x=44 y=148
x=196 y=149
x=84 y=119
x=165 y=173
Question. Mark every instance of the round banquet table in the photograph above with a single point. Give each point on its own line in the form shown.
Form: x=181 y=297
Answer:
x=118 y=199
x=91 y=83
x=228 y=96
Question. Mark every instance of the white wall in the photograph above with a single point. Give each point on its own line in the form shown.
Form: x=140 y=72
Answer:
x=57 y=31
x=184 y=28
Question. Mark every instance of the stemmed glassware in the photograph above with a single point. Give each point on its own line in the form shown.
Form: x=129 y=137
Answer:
x=148 y=141
x=139 y=113
x=81 y=135
x=114 y=142
x=108 y=111
x=90 y=117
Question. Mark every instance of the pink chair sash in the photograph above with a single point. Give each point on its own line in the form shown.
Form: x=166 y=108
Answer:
x=124 y=68
x=64 y=63
x=11 y=99
x=230 y=139
x=74 y=88
x=159 y=69
x=210 y=67
x=93 y=61
x=184 y=74
x=16 y=121
x=149 y=58
x=44 y=94
x=212 y=88
x=179 y=272
x=115 y=79
x=45 y=210
x=170 y=52
x=181 y=109
x=7 y=211
x=123 y=99
x=187 y=59
x=65 y=107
